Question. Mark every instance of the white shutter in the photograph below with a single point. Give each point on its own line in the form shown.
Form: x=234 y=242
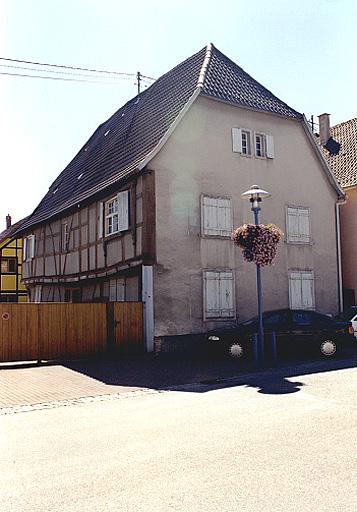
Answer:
x=298 y=224
x=123 y=202
x=225 y=226
x=211 y=295
x=307 y=290
x=237 y=140
x=100 y=221
x=292 y=225
x=210 y=216
x=32 y=246
x=270 y=146
x=218 y=295
x=24 y=248
x=295 y=290
x=304 y=225
x=226 y=294
x=216 y=216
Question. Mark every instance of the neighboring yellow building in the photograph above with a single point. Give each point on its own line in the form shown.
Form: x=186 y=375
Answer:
x=11 y=287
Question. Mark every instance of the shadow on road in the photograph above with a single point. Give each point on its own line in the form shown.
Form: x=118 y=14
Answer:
x=193 y=375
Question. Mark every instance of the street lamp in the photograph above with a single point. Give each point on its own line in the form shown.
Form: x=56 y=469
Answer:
x=255 y=196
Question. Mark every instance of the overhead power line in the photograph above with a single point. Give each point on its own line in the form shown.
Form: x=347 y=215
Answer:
x=58 y=78
x=76 y=72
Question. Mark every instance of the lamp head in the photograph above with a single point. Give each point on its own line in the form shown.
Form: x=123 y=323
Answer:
x=255 y=195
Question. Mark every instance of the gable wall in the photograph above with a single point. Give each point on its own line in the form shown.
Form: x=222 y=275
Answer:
x=349 y=240
x=198 y=159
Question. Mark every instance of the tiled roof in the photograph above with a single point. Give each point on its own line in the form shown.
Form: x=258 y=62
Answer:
x=124 y=141
x=7 y=233
x=225 y=80
x=344 y=164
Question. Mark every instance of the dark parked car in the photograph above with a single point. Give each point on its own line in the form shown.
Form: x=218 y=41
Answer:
x=296 y=329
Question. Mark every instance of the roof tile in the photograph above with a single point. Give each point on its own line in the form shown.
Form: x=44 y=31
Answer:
x=120 y=144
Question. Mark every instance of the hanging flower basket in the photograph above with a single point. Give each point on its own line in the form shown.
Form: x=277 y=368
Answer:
x=258 y=243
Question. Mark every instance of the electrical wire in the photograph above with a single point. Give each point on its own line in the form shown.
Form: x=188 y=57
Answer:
x=59 y=78
x=68 y=67
x=62 y=72
x=79 y=77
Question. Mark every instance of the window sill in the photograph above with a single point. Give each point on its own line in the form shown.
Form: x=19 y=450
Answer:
x=217 y=237
x=295 y=242
x=117 y=234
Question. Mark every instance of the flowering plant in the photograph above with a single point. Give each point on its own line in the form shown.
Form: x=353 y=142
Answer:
x=258 y=243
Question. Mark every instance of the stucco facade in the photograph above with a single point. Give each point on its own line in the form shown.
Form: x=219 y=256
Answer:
x=349 y=244
x=163 y=179
x=198 y=159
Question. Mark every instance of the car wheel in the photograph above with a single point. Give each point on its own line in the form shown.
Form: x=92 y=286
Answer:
x=236 y=350
x=328 y=347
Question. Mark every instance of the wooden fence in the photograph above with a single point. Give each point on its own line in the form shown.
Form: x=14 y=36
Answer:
x=50 y=331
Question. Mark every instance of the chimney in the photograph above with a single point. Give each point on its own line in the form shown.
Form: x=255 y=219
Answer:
x=8 y=221
x=324 y=128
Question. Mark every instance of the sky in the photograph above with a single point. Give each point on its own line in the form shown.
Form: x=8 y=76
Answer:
x=304 y=52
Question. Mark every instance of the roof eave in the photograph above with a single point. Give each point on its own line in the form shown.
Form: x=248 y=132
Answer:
x=246 y=107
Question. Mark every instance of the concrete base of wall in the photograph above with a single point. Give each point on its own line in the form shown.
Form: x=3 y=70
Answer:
x=189 y=344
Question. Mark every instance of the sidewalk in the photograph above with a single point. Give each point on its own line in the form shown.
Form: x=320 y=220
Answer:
x=26 y=386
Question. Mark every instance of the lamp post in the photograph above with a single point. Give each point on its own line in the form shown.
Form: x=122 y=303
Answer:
x=255 y=196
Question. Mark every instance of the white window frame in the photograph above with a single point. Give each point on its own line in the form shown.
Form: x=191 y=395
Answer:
x=262 y=138
x=302 y=223
x=221 y=279
x=216 y=216
x=250 y=149
x=114 y=214
x=29 y=248
x=301 y=281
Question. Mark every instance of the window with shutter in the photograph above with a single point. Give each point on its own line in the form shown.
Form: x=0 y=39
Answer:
x=216 y=216
x=116 y=214
x=263 y=144
x=298 y=225
x=218 y=294
x=29 y=248
x=301 y=290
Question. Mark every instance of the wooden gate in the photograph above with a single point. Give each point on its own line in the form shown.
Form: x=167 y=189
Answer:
x=128 y=327
x=49 y=331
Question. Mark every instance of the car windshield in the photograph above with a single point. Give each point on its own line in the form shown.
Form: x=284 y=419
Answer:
x=268 y=318
x=347 y=315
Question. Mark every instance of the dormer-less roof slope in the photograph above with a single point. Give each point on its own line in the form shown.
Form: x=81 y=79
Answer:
x=9 y=232
x=124 y=143
x=344 y=164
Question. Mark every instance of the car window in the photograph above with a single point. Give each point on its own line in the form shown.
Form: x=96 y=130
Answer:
x=276 y=319
x=302 y=318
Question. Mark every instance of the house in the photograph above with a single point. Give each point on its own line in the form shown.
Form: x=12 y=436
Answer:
x=343 y=164
x=146 y=208
x=11 y=287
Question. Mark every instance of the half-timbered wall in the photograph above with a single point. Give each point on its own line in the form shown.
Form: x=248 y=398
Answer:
x=75 y=260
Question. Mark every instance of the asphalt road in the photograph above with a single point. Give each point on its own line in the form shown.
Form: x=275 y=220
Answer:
x=272 y=444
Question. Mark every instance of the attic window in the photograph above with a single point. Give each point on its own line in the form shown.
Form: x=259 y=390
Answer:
x=106 y=133
x=79 y=177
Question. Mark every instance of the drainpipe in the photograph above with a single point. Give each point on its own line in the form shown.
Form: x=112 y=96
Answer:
x=339 y=203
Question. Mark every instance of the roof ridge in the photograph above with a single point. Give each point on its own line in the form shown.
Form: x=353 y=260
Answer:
x=205 y=64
